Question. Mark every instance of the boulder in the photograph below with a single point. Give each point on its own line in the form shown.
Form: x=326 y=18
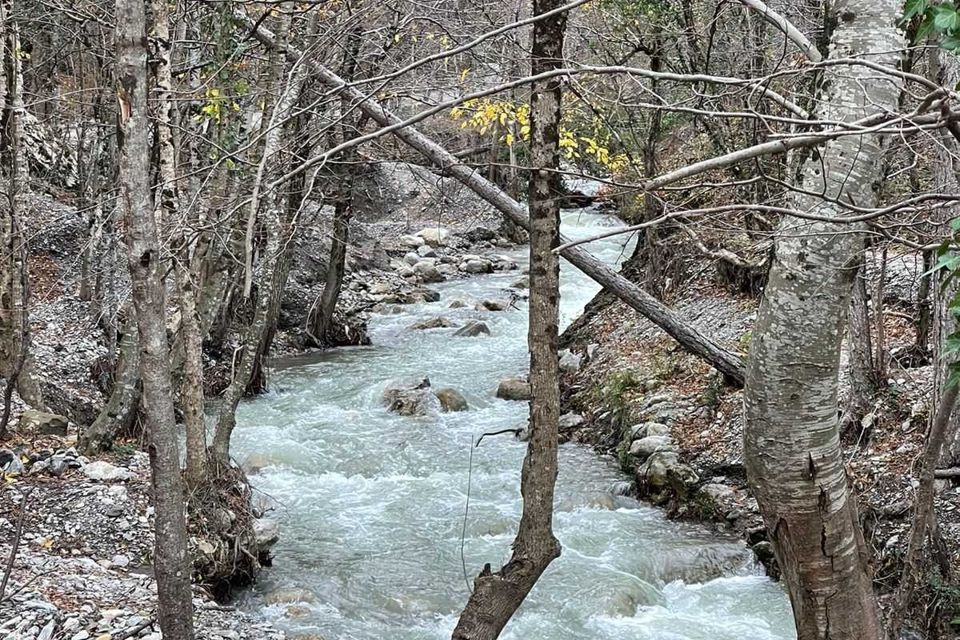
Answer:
x=10 y=462
x=647 y=446
x=411 y=258
x=411 y=397
x=106 y=472
x=49 y=424
x=645 y=429
x=476 y=266
x=514 y=389
x=522 y=283
x=570 y=421
x=266 y=533
x=493 y=305
x=427 y=271
x=451 y=400
x=473 y=329
x=434 y=236
x=438 y=322
x=423 y=294
x=663 y=470
x=457 y=304
x=426 y=251
x=569 y=361
x=412 y=242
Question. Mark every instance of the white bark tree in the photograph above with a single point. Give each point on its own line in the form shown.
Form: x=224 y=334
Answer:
x=791 y=440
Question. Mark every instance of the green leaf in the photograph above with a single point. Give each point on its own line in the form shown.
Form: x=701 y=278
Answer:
x=914 y=8
x=951 y=43
x=946 y=260
x=925 y=29
x=955 y=224
x=945 y=17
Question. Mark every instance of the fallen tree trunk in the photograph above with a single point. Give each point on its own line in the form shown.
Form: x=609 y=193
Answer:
x=714 y=354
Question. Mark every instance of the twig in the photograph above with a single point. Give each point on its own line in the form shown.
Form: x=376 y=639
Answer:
x=129 y=633
x=515 y=432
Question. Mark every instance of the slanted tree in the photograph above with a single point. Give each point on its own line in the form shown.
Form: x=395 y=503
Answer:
x=170 y=559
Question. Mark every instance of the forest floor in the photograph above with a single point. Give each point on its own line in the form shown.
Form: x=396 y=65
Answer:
x=636 y=375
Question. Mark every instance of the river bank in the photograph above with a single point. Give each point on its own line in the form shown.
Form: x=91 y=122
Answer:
x=676 y=428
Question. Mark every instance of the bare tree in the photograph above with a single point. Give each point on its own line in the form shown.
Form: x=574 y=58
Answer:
x=497 y=595
x=170 y=560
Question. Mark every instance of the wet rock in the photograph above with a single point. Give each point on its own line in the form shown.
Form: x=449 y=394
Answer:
x=427 y=271
x=266 y=533
x=50 y=424
x=473 y=329
x=451 y=400
x=514 y=389
x=663 y=469
x=411 y=259
x=257 y=462
x=106 y=472
x=647 y=446
x=522 y=283
x=411 y=397
x=431 y=323
x=423 y=294
x=457 y=304
x=434 y=236
x=493 y=305
x=476 y=265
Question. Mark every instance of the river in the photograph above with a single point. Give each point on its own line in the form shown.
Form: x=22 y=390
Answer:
x=372 y=504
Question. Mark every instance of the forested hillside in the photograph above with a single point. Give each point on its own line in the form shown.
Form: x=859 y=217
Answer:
x=475 y=320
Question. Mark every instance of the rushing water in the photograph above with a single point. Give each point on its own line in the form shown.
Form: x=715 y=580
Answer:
x=371 y=504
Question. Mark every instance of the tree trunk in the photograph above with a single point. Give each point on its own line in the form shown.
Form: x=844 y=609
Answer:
x=864 y=380
x=496 y=596
x=947 y=179
x=714 y=354
x=322 y=318
x=791 y=440
x=272 y=268
x=15 y=360
x=120 y=411
x=170 y=560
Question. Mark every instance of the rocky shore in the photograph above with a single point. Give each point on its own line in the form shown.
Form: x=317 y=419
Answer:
x=676 y=428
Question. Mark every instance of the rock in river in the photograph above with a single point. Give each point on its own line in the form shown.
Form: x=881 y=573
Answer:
x=514 y=389
x=473 y=329
x=451 y=400
x=411 y=397
x=438 y=322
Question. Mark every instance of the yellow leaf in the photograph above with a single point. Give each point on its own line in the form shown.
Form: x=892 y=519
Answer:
x=508 y=139
x=463 y=74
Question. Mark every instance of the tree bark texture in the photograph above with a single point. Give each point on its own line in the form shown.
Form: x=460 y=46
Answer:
x=496 y=596
x=718 y=356
x=791 y=440
x=946 y=177
x=171 y=562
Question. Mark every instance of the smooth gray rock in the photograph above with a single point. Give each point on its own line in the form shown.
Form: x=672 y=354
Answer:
x=106 y=472
x=514 y=389
x=647 y=446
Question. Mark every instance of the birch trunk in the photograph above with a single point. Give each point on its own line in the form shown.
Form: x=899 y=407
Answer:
x=170 y=560
x=496 y=596
x=791 y=440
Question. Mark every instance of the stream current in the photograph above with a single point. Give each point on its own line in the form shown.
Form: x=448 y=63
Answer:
x=374 y=543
